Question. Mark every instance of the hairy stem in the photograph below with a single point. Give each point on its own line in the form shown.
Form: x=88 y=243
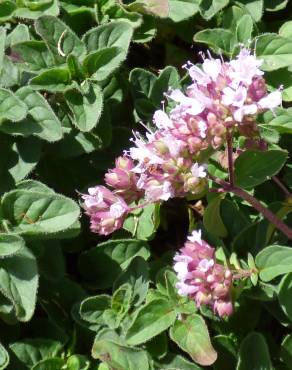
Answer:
x=256 y=204
x=230 y=157
x=282 y=186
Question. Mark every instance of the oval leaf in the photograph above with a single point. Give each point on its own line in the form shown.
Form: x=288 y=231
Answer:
x=192 y=336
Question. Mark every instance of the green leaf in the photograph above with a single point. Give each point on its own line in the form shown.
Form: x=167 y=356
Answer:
x=285 y=295
x=53 y=80
x=142 y=82
x=191 y=335
x=253 y=7
x=92 y=308
x=285 y=76
x=176 y=362
x=151 y=320
x=49 y=364
x=102 y=63
x=86 y=108
x=168 y=78
x=75 y=68
x=78 y=362
x=7 y=9
x=137 y=275
x=143 y=225
x=34 y=55
x=254 y=353
x=254 y=167
x=60 y=39
x=274 y=261
x=10 y=74
x=2 y=47
x=11 y=108
x=4 y=357
x=282 y=122
x=209 y=8
x=219 y=39
x=286 y=351
x=244 y=29
x=147 y=31
x=19 y=282
x=159 y=8
x=33 y=9
x=34 y=213
x=115 y=33
x=120 y=357
x=41 y=121
x=18 y=160
x=31 y=351
x=102 y=264
x=275 y=50
x=212 y=218
x=10 y=244
x=180 y=10
x=286 y=30
x=19 y=34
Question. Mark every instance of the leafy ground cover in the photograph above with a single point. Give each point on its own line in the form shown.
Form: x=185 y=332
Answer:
x=77 y=77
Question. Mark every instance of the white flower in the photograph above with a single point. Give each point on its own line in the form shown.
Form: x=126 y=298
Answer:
x=196 y=237
x=162 y=120
x=271 y=101
x=198 y=171
x=235 y=97
x=246 y=109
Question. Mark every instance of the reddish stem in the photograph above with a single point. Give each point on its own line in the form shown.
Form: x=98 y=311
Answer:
x=256 y=204
x=282 y=186
x=230 y=157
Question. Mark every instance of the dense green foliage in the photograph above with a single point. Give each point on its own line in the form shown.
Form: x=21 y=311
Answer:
x=76 y=77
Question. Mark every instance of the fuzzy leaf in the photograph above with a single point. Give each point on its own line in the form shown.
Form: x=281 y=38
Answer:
x=34 y=213
x=10 y=244
x=275 y=50
x=19 y=282
x=274 y=261
x=34 y=55
x=92 y=308
x=4 y=357
x=151 y=320
x=254 y=353
x=180 y=10
x=101 y=265
x=120 y=357
x=41 y=122
x=31 y=351
x=191 y=335
x=102 y=63
x=11 y=108
x=219 y=39
x=253 y=167
x=2 y=47
x=53 y=80
x=137 y=276
x=209 y=8
x=115 y=33
x=86 y=108
x=60 y=39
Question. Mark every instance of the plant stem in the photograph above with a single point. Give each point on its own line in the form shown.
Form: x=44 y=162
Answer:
x=282 y=186
x=256 y=204
x=230 y=157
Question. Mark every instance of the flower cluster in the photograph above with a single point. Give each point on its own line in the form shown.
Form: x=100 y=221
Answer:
x=166 y=162
x=201 y=277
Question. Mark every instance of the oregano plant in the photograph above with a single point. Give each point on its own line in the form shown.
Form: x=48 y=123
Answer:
x=145 y=194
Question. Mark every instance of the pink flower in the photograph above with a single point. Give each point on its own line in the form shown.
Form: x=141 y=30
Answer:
x=106 y=210
x=201 y=278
